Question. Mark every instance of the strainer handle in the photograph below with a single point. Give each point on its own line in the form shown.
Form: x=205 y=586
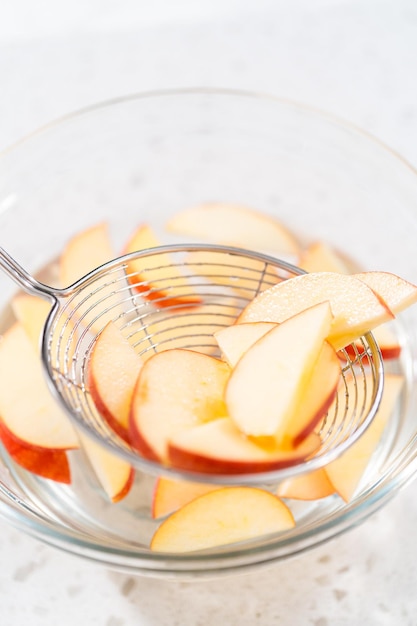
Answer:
x=26 y=281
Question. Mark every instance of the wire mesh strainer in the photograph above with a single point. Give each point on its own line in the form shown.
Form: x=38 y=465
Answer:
x=177 y=297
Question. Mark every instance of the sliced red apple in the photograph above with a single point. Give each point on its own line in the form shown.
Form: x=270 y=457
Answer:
x=114 y=474
x=33 y=429
x=310 y=486
x=46 y=462
x=84 y=252
x=218 y=447
x=318 y=395
x=224 y=516
x=157 y=278
x=320 y=257
x=346 y=472
x=397 y=293
x=27 y=407
x=386 y=339
x=356 y=307
x=171 y=494
x=235 y=225
x=235 y=340
x=113 y=370
x=176 y=389
x=268 y=382
x=31 y=312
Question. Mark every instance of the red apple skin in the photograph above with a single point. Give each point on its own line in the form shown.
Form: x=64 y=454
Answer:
x=47 y=463
x=102 y=408
x=139 y=442
x=126 y=488
x=325 y=406
x=194 y=461
x=388 y=353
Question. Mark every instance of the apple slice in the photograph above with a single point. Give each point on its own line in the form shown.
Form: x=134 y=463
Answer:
x=158 y=278
x=84 y=252
x=223 y=516
x=356 y=307
x=311 y=486
x=176 y=389
x=386 y=339
x=113 y=370
x=115 y=475
x=27 y=407
x=235 y=340
x=218 y=447
x=33 y=429
x=318 y=396
x=46 y=462
x=268 y=382
x=320 y=257
x=346 y=472
x=397 y=293
x=171 y=494
x=31 y=312
x=235 y=225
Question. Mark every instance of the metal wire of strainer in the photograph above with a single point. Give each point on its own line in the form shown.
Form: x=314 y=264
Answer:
x=178 y=296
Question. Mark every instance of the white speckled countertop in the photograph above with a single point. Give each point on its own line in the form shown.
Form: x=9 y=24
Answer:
x=354 y=58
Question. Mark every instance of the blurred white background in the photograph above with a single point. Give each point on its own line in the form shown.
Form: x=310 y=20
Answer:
x=354 y=58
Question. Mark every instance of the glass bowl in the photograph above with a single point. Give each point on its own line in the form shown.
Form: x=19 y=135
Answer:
x=142 y=158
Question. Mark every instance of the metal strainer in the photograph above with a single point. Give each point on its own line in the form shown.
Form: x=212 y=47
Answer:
x=178 y=296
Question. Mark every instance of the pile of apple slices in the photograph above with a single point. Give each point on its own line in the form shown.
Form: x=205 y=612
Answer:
x=256 y=408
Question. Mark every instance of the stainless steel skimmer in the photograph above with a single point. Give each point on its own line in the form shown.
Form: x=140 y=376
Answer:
x=178 y=296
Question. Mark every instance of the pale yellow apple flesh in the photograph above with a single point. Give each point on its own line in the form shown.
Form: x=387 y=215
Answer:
x=113 y=370
x=84 y=252
x=235 y=340
x=218 y=447
x=345 y=473
x=114 y=474
x=176 y=389
x=27 y=407
x=266 y=384
x=318 y=396
x=171 y=494
x=234 y=225
x=355 y=306
x=31 y=312
x=223 y=516
x=320 y=257
x=313 y=485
